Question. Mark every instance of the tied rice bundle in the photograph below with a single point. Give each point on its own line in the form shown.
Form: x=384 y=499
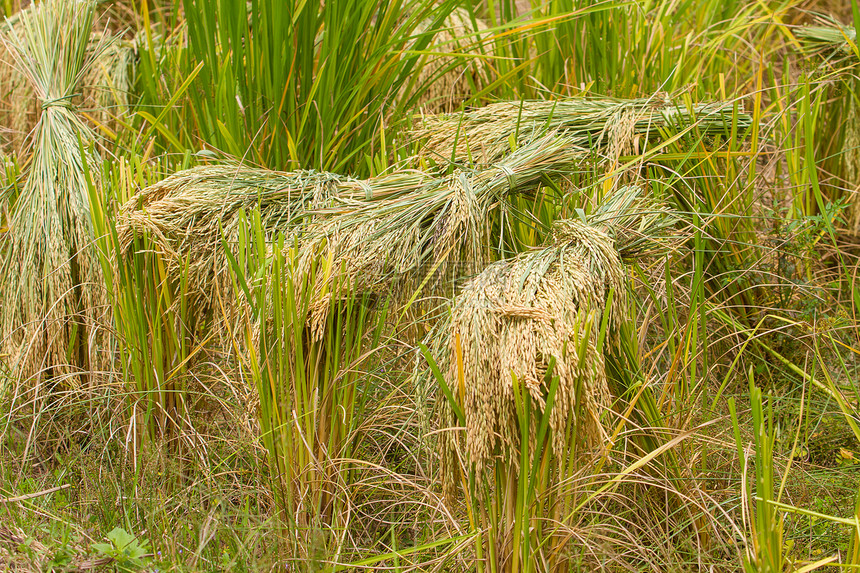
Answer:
x=53 y=302
x=607 y=127
x=827 y=38
x=546 y=305
x=101 y=92
x=450 y=85
x=388 y=245
x=376 y=233
x=189 y=215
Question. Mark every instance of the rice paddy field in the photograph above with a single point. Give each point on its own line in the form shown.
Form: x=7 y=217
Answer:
x=430 y=285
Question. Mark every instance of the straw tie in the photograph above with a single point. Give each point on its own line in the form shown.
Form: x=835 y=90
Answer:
x=62 y=101
x=511 y=176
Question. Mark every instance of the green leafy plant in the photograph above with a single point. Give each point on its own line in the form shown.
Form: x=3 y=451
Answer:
x=128 y=553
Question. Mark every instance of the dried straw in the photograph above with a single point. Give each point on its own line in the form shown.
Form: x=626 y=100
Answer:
x=608 y=127
x=101 y=93
x=518 y=313
x=51 y=287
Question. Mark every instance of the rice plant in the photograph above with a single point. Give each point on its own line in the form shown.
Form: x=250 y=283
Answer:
x=346 y=65
x=308 y=353
x=155 y=322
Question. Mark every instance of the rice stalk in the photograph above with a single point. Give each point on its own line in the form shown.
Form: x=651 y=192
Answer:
x=101 y=93
x=608 y=127
x=450 y=221
x=53 y=302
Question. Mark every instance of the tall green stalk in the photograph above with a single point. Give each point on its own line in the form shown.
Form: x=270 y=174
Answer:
x=153 y=321
x=292 y=84
x=307 y=353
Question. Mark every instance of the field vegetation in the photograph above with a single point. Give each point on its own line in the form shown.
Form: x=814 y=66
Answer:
x=430 y=285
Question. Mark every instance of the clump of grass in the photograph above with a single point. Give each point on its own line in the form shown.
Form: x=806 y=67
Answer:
x=53 y=314
x=607 y=127
x=313 y=383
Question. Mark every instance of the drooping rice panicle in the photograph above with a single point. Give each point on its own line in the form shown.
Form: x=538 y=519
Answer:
x=188 y=213
x=52 y=284
x=608 y=127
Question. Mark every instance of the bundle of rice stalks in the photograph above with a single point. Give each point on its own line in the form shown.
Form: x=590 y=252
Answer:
x=518 y=316
x=376 y=232
x=608 y=127
x=188 y=214
x=101 y=93
x=449 y=224
x=51 y=285
x=827 y=38
x=450 y=84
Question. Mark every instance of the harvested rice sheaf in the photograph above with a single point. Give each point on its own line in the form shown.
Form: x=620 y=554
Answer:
x=512 y=319
x=101 y=92
x=827 y=37
x=53 y=321
x=450 y=85
x=378 y=233
x=607 y=127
